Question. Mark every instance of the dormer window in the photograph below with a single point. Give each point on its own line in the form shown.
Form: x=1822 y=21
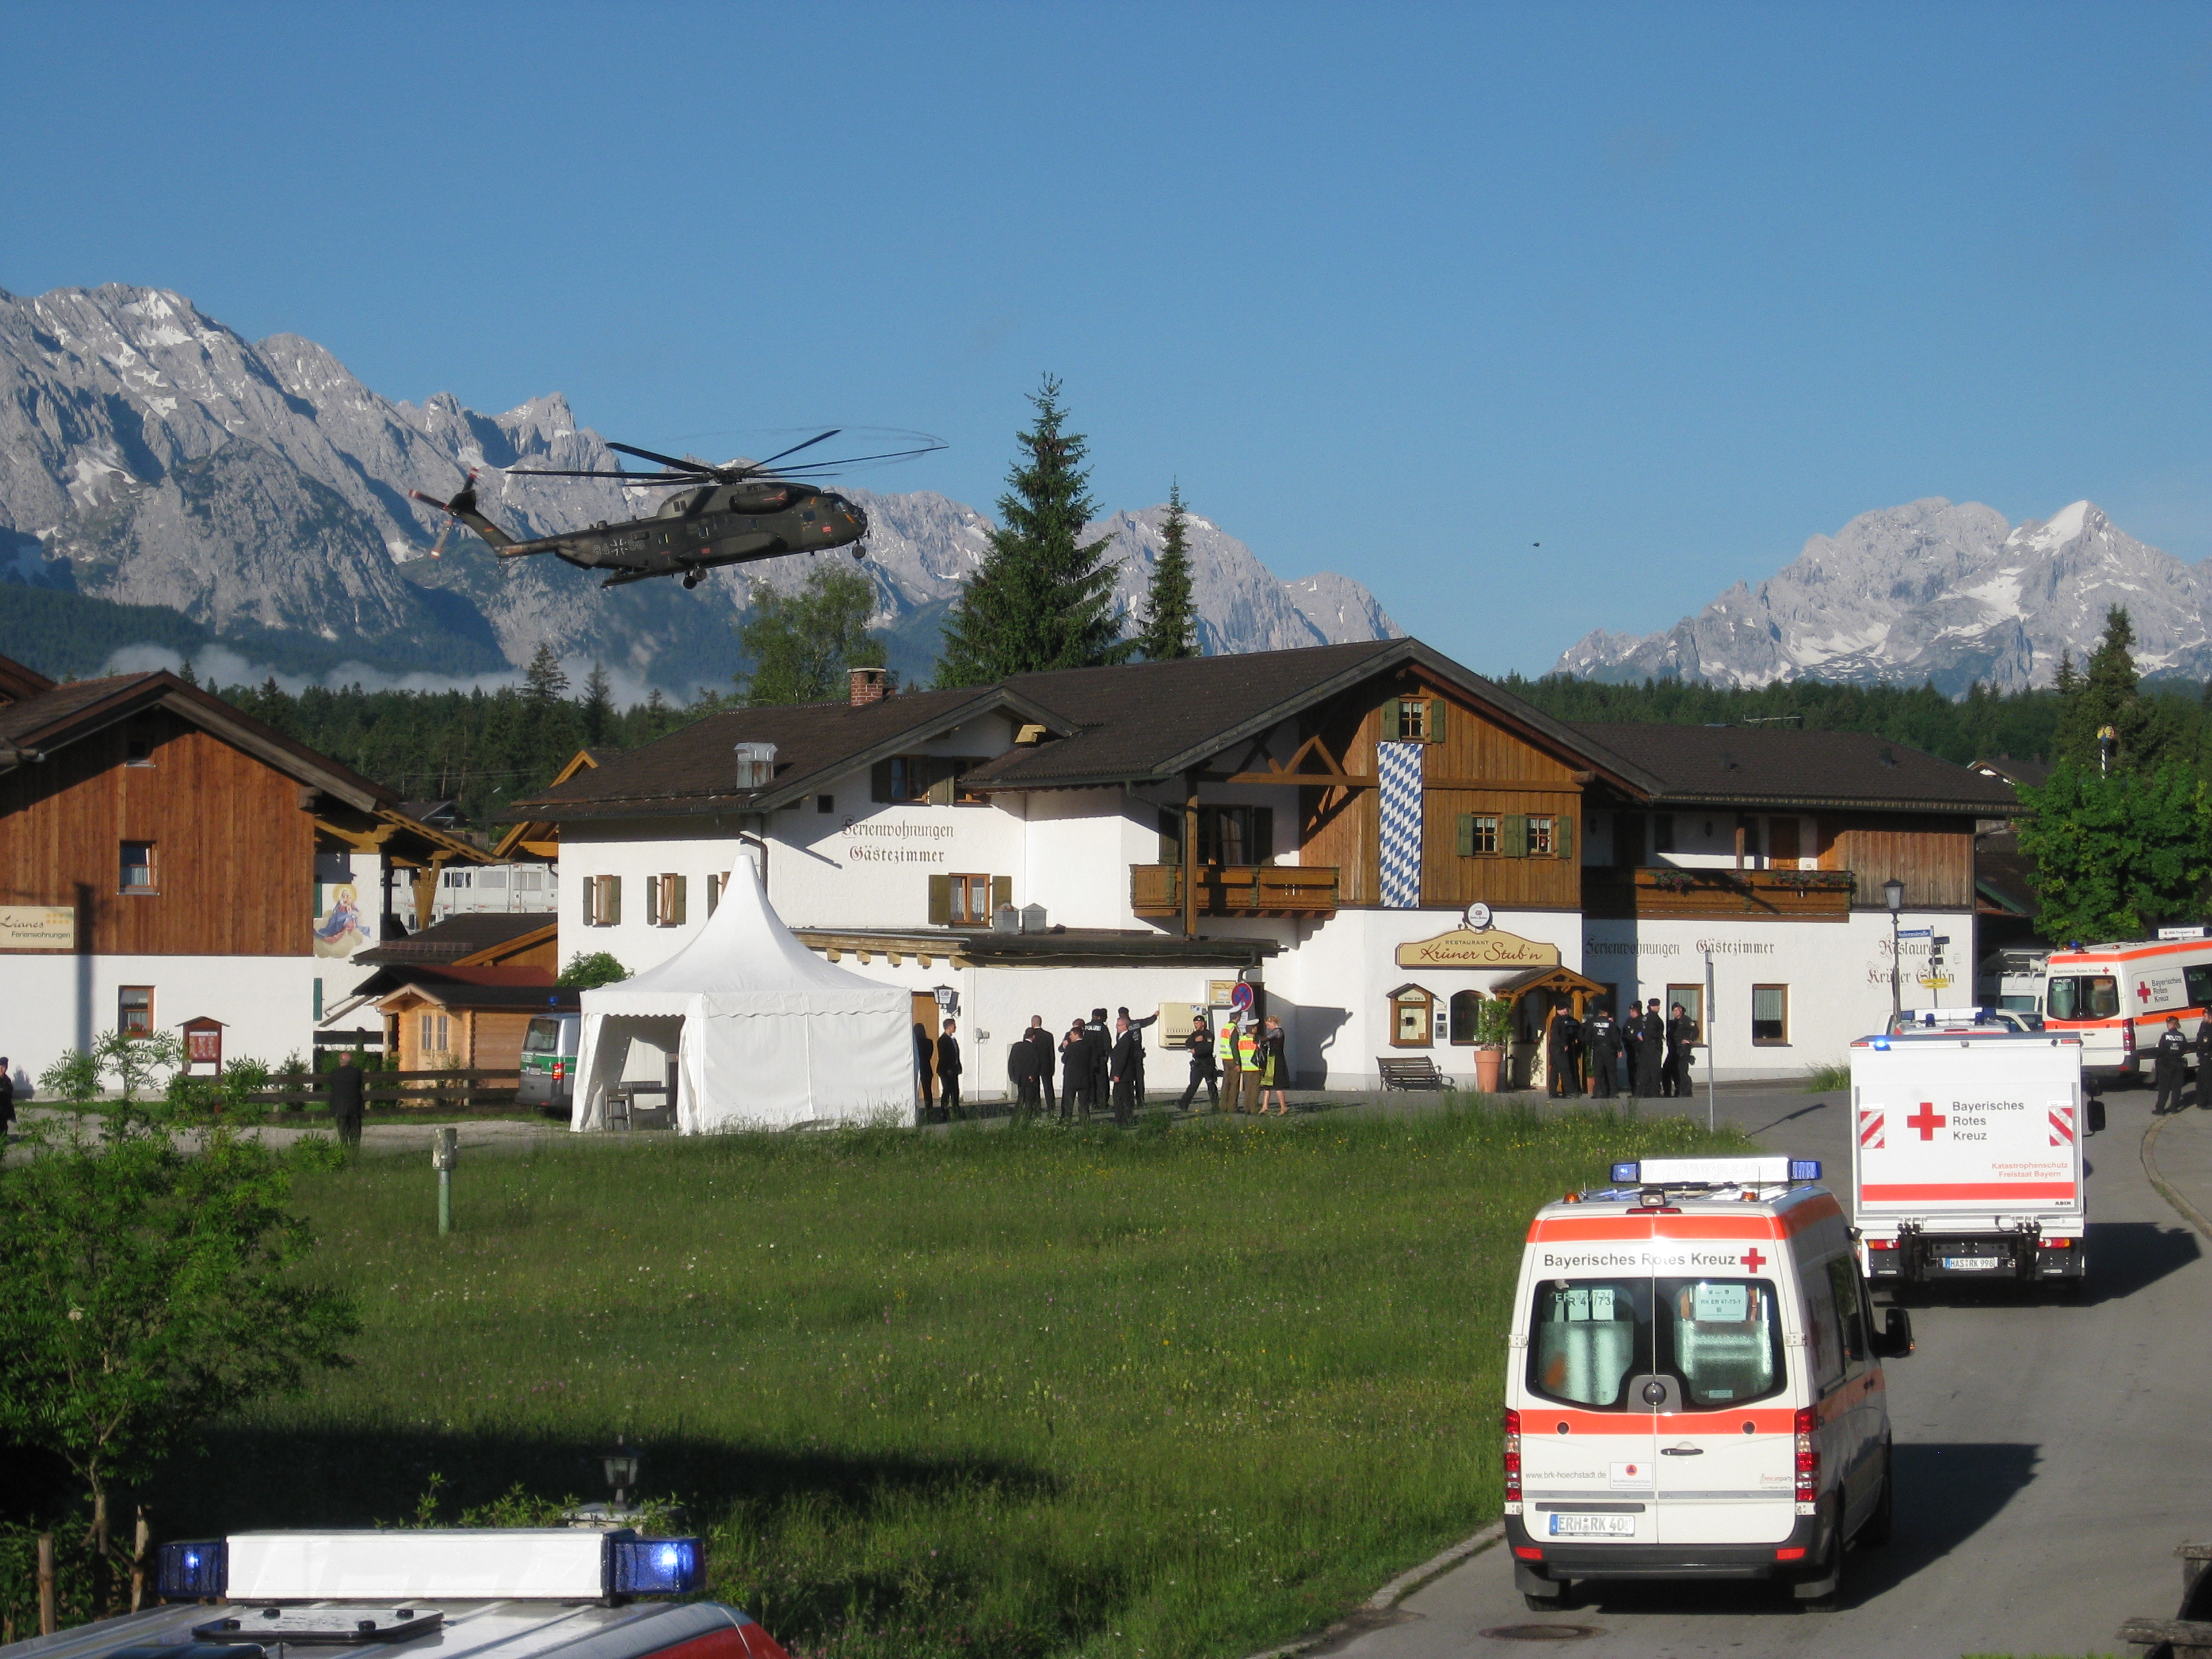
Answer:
x=1414 y=719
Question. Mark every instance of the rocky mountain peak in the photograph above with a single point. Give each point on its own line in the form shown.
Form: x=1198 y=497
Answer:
x=1932 y=591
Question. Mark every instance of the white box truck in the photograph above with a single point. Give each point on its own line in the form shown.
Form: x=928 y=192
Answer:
x=1966 y=1156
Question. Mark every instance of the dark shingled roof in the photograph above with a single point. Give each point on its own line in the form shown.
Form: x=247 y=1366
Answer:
x=1134 y=721
x=456 y=937
x=694 y=769
x=1751 y=766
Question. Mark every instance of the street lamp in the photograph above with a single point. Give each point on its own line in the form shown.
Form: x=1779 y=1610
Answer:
x=1892 y=895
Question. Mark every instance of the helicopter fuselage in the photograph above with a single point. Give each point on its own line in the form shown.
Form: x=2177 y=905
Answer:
x=700 y=528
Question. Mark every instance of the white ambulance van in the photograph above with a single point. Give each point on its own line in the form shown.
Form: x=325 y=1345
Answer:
x=1693 y=1383
x=1966 y=1160
x=2117 y=997
x=585 y=1593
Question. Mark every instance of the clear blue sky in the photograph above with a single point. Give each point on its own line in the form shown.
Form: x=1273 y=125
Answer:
x=1394 y=291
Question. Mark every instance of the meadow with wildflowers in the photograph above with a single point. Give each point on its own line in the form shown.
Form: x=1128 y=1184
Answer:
x=1004 y=1392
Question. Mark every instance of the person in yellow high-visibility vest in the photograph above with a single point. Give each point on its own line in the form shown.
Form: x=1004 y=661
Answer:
x=1225 y=1051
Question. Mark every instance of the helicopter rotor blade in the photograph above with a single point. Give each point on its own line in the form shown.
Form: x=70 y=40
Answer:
x=633 y=477
x=854 y=460
x=755 y=466
x=670 y=461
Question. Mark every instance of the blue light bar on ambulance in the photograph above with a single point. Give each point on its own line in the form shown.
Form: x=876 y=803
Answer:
x=548 y=1564
x=657 y=1567
x=1715 y=1172
x=186 y=1572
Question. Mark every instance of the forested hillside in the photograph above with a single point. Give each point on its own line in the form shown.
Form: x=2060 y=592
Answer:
x=1982 y=724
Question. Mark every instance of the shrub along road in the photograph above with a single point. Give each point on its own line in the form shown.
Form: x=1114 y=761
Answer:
x=2049 y=1455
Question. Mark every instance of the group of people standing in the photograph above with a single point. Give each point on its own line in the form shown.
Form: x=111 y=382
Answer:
x=1101 y=1066
x=1655 y=1050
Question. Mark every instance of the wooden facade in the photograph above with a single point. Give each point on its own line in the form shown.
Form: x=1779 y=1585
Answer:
x=474 y=1039
x=1245 y=890
x=1671 y=893
x=1932 y=853
x=233 y=852
x=1474 y=766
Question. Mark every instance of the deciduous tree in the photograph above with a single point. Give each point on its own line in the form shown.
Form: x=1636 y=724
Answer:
x=148 y=1287
x=800 y=644
x=2116 y=856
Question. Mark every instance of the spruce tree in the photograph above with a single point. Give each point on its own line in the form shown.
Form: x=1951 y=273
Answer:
x=1043 y=597
x=596 y=712
x=1170 y=627
x=545 y=680
x=2108 y=695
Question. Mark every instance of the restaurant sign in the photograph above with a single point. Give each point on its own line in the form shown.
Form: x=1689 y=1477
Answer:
x=1464 y=947
x=37 y=927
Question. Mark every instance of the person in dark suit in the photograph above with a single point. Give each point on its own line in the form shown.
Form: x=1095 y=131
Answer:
x=1075 y=1072
x=346 y=1099
x=7 y=1099
x=1562 y=1048
x=1022 y=1072
x=1681 y=1043
x=1601 y=1038
x=1041 y=1039
x=1204 y=1070
x=1102 y=1058
x=948 y=1070
x=925 y=1071
x=1127 y=1067
x=1650 y=1073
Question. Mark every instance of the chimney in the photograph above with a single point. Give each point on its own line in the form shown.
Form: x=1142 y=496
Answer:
x=869 y=684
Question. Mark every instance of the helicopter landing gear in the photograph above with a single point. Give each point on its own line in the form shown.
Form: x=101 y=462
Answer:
x=691 y=578
x=860 y=552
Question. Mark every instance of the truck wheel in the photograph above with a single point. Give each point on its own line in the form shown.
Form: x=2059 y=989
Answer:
x=1875 y=1532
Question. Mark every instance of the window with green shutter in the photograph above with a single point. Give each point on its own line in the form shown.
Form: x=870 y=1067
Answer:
x=1513 y=842
x=1393 y=715
x=1562 y=835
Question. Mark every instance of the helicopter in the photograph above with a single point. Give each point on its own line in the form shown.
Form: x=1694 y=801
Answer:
x=717 y=515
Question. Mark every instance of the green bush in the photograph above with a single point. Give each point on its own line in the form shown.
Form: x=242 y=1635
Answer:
x=588 y=972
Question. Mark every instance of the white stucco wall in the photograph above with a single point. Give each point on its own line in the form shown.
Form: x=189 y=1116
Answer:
x=1838 y=976
x=51 y=1003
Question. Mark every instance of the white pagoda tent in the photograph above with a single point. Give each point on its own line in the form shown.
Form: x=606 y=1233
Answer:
x=766 y=1034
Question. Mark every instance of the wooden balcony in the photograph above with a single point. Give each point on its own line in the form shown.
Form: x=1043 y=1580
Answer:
x=1237 y=890
x=1669 y=894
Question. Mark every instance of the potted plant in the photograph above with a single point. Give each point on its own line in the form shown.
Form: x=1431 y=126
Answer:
x=1493 y=1029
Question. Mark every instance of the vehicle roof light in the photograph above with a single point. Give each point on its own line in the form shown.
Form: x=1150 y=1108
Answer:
x=657 y=1567
x=551 y=1564
x=188 y=1571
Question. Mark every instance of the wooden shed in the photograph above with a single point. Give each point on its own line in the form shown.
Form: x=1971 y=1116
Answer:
x=469 y=1018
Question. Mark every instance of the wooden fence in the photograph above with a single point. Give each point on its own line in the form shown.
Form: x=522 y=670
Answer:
x=400 y=1091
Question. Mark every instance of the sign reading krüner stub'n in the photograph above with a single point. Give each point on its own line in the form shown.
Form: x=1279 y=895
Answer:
x=1463 y=947
x=37 y=927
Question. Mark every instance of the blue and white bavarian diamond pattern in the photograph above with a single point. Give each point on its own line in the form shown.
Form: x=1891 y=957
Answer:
x=1400 y=767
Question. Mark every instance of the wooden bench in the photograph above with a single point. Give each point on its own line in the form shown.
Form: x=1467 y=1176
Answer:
x=1419 y=1074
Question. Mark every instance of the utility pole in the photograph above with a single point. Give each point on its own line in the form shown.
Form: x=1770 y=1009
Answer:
x=1710 y=1044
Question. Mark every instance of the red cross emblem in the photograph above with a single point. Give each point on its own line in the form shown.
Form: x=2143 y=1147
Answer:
x=1753 y=1259
x=1926 y=1120
x=2143 y=993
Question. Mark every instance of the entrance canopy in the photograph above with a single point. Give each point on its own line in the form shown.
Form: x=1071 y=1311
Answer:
x=1565 y=981
x=766 y=1034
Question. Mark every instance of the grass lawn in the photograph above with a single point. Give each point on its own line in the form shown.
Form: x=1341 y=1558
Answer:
x=998 y=1392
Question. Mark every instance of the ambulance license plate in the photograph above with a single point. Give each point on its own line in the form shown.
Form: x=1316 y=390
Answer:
x=1972 y=1264
x=1593 y=1526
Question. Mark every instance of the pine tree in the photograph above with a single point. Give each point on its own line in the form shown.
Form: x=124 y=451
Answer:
x=1043 y=597
x=545 y=680
x=1170 y=627
x=596 y=712
x=2109 y=695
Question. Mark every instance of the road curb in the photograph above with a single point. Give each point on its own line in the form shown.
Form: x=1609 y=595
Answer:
x=2187 y=1210
x=1391 y=1594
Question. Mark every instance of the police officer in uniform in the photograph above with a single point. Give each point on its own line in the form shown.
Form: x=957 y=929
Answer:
x=1102 y=1058
x=1563 y=1047
x=2170 y=1067
x=1203 y=1070
x=1682 y=1044
x=1075 y=1072
x=1651 y=1054
x=1603 y=1038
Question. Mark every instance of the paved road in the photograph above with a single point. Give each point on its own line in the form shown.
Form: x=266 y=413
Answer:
x=2049 y=1456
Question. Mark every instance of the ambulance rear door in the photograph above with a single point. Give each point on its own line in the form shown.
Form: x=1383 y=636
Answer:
x=1965 y=1129
x=1726 y=1431
x=1588 y=1433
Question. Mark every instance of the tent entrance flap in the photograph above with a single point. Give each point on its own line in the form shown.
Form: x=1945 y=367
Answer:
x=608 y=1056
